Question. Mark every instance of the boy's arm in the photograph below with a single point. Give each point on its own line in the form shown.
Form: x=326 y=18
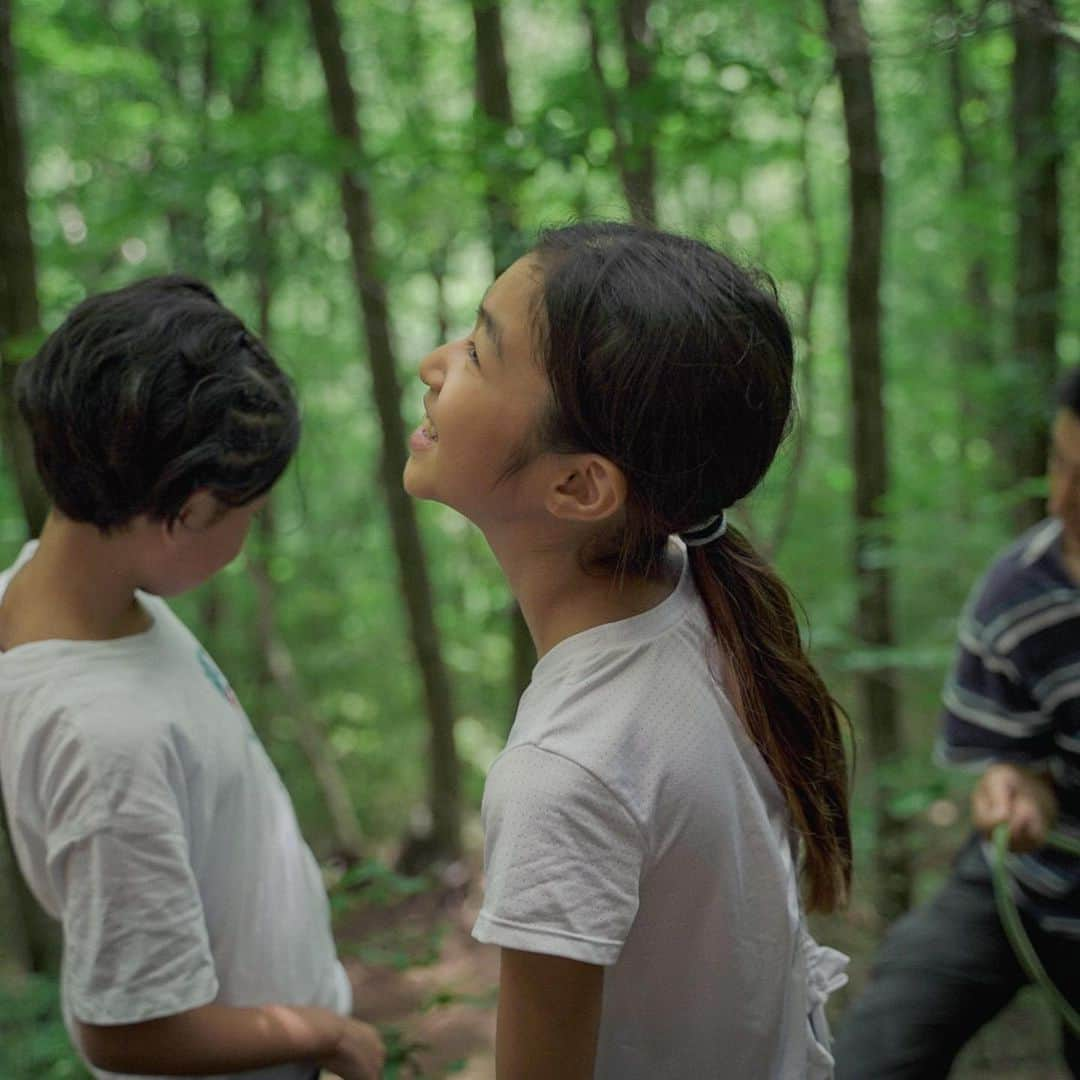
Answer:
x=549 y=1017
x=994 y=722
x=223 y=1039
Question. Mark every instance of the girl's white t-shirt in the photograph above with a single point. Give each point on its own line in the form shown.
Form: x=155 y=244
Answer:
x=631 y=823
x=147 y=817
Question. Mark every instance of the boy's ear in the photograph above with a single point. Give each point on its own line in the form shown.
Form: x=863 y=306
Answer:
x=589 y=488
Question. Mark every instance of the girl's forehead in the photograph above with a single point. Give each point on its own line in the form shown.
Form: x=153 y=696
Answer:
x=521 y=281
x=509 y=306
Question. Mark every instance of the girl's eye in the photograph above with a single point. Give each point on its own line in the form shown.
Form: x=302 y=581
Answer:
x=470 y=347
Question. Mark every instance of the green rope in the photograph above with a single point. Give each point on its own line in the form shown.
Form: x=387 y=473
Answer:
x=1014 y=928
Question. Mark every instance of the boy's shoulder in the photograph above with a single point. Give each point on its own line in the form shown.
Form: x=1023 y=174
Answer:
x=103 y=714
x=87 y=749
x=1025 y=571
x=105 y=701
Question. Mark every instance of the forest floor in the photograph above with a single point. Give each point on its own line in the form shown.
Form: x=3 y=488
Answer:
x=431 y=989
x=418 y=975
x=421 y=978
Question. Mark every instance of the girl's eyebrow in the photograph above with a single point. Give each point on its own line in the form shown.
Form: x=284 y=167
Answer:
x=491 y=328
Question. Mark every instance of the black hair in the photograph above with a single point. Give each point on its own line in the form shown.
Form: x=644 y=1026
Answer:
x=151 y=392
x=676 y=364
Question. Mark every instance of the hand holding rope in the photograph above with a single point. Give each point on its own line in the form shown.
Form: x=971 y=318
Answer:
x=1014 y=927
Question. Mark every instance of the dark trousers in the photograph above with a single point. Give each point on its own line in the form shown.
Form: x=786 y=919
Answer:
x=943 y=971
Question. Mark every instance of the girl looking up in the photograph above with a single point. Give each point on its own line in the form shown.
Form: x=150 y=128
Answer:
x=676 y=764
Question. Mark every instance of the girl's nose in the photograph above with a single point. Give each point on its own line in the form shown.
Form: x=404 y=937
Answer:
x=432 y=368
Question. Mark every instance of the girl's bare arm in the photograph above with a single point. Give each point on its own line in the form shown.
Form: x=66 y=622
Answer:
x=549 y=1017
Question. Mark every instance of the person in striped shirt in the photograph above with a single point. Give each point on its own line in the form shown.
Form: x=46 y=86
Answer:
x=1011 y=712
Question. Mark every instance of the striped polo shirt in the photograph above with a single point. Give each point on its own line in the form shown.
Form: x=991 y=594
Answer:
x=1014 y=695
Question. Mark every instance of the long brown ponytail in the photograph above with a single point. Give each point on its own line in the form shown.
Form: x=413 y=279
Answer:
x=676 y=364
x=788 y=712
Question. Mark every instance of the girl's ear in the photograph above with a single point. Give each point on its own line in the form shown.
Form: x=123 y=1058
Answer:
x=199 y=512
x=589 y=488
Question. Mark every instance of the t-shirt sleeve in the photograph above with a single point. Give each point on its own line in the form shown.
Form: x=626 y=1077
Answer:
x=563 y=859
x=990 y=712
x=136 y=945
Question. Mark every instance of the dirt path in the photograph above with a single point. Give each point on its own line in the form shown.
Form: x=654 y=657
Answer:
x=416 y=969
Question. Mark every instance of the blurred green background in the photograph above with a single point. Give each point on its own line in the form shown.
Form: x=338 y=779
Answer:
x=196 y=135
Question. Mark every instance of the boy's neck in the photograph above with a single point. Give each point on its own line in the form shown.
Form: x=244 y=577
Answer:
x=559 y=599
x=1070 y=554
x=79 y=585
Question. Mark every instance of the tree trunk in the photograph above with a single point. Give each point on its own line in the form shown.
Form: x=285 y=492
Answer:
x=495 y=117
x=14 y=935
x=36 y=937
x=634 y=156
x=20 y=917
x=640 y=179
x=974 y=343
x=187 y=235
x=412 y=564
x=1038 y=237
x=807 y=383
x=876 y=691
x=19 y=319
x=308 y=725
x=442 y=309
x=27 y=934
x=495 y=112
x=276 y=659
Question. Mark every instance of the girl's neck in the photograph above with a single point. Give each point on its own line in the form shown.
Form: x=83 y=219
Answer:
x=559 y=599
x=79 y=585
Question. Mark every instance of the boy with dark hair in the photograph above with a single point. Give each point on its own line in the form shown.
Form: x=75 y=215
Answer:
x=144 y=813
x=1012 y=713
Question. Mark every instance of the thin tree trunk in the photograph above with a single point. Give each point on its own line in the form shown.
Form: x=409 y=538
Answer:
x=16 y=936
x=442 y=310
x=1038 y=236
x=634 y=159
x=19 y=320
x=444 y=797
x=308 y=725
x=37 y=944
x=640 y=179
x=276 y=657
x=495 y=116
x=878 y=704
x=264 y=287
x=188 y=237
x=30 y=937
x=974 y=345
x=495 y=109
x=187 y=229
x=810 y=283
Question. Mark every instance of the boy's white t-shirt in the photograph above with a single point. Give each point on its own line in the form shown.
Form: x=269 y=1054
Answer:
x=631 y=823
x=147 y=817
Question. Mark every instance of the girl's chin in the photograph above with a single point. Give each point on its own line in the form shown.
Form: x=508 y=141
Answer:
x=412 y=480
